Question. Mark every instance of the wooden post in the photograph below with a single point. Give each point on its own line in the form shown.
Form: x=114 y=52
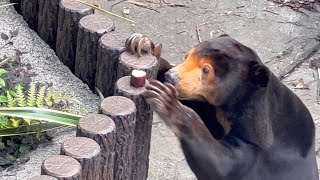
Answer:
x=87 y=152
x=91 y=28
x=102 y=129
x=142 y=133
x=123 y=112
x=29 y=10
x=43 y=177
x=62 y=167
x=70 y=13
x=129 y=62
x=48 y=21
x=111 y=45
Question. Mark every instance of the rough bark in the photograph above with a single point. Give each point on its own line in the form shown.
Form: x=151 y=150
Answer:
x=48 y=21
x=91 y=28
x=62 y=167
x=70 y=13
x=100 y=128
x=111 y=45
x=123 y=112
x=43 y=177
x=129 y=62
x=87 y=152
x=142 y=133
x=29 y=10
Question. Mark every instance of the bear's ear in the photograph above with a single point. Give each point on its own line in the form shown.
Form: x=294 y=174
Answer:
x=258 y=74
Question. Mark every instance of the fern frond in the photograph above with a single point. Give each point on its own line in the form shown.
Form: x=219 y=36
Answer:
x=15 y=122
x=57 y=97
x=48 y=98
x=20 y=96
x=11 y=101
x=40 y=97
x=32 y=98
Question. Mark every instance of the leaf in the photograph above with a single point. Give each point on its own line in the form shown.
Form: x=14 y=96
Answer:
x=15 y=122
x=40 y=97
x=41 y=114
x=2 y=72
x=4 y=36
x=32 y=98
x=3 y=99
x=20 y=96
x=13 y=93
x=2 y=83
x=23 y=130
x=11 y=101
x=24 y=149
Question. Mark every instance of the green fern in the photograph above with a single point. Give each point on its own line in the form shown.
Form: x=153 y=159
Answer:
x=48 y=98
x=32 y=98
x=40 y=97
x=21 y=97
x=11 y=101
x=57 y=97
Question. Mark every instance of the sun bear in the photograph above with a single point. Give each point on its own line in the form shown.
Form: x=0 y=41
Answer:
x=268 y=133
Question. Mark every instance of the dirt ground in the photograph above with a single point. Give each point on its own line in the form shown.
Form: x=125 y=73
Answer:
x=280 y=36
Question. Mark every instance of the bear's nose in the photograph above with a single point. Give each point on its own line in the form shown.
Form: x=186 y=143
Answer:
x=171 y=77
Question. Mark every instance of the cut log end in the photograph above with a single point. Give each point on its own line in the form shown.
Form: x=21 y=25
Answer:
x=61 y=166
x=80 y=148
x=138 y=78
x=43 y=177
x=96 y=124
x=76 y=6
x=117 y=106
x=97 y=24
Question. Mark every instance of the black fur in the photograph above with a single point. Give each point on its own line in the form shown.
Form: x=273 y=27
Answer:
x=272 y=136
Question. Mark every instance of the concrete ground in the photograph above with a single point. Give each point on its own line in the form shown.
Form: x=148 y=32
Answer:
x=280 y=36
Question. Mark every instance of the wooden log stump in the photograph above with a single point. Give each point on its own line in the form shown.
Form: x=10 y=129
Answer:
x=70 y=13
x=111 y=45
x=48 y=21
x=102 y=129
x=142 y=133
x=123 y=112
x=43 y=177
x=62 y=167
x=129 y=62
x=87 y=152
x=91 y=28
x=29 y=10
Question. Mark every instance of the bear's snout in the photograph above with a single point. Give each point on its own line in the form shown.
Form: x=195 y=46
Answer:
x=171 y=77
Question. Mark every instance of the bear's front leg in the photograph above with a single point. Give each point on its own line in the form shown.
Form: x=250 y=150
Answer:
x=226 y=159
x=183 y=121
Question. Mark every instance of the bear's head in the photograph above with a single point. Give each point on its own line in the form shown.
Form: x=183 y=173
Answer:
x=218 y=71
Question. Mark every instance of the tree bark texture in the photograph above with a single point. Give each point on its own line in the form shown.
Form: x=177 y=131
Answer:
x=143 y=127
x=123 y=112
x=91 y=28
x=129 y=62
x=29 y=10
x=101 y=129
x=48 y=21
x=111 y=45
x=62 y=167
x=70 y=13
x=87 y=152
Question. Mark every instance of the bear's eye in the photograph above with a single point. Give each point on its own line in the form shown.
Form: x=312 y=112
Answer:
x=205 y=70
